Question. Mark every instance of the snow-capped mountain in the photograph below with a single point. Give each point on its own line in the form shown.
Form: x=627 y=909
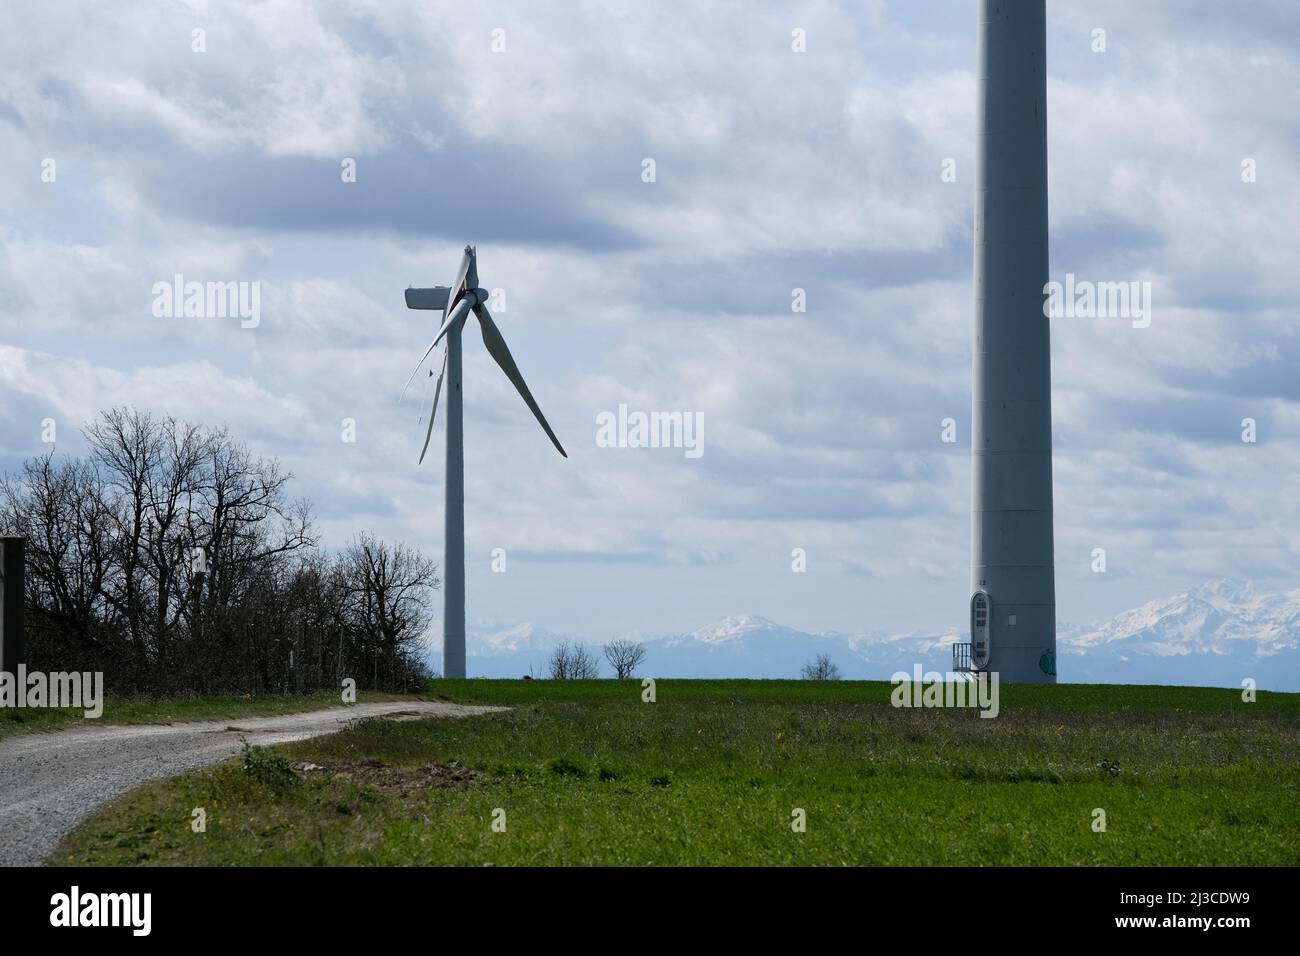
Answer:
x=1216 y=634
x=734 y=628
x=1213 y=618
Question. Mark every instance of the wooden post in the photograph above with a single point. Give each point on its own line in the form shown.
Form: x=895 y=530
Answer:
x=13 y=646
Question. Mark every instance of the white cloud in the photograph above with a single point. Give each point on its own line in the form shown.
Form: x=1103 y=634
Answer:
x=776 y=170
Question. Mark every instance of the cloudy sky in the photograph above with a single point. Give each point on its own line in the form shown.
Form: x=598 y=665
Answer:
x=524 y=127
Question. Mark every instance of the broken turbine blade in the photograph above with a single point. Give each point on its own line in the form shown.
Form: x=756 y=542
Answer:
x=433 y=413
x=410 y=378
x=460 y=311
x=458 y=314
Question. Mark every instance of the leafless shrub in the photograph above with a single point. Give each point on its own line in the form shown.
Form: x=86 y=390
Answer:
x=572 y=662
x=821 y=668
x=625 y=657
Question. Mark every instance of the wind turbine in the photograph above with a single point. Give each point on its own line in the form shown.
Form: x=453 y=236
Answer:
x=456 y=302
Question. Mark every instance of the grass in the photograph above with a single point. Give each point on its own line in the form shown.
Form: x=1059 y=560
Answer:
x=713 y=773
x=170 y=710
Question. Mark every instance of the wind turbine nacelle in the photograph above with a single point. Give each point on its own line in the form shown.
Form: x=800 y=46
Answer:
x=435 y=298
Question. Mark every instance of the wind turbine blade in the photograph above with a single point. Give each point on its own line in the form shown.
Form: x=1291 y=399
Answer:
x=471 y=274
x=496 y=347
x=459 y=312
x=462 y=273
x=410 y=378
x=433 y=413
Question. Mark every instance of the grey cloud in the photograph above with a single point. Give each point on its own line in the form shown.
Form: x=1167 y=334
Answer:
x=478 y=192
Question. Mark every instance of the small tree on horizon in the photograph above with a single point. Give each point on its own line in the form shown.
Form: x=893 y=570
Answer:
x=572 y=662
x=625 y=657
x=821 y=668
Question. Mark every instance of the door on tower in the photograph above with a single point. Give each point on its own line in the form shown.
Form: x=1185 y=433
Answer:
x=981 y=616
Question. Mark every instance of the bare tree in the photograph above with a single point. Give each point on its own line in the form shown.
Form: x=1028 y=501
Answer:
x=821 y=668
x=558 y=667
x=172 y=559
x=390 y=589
x=61 y=508
x=585 y=664
x=125 y=445
x=625 y=657
x=572 y=662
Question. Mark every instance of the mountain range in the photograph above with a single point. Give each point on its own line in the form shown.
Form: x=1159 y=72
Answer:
x=1216 y=634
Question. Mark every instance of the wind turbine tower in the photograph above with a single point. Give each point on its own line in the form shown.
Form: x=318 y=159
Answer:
x=1013 y=588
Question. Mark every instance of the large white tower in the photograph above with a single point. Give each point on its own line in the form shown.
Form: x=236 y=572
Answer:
x=1013 y=588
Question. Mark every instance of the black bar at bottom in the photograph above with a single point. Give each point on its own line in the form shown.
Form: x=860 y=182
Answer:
x=368 y=905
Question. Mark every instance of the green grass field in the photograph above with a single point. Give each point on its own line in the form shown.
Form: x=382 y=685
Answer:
x=713 y=772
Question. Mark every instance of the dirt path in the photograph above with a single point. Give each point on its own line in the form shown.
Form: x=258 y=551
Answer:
x=49 y=782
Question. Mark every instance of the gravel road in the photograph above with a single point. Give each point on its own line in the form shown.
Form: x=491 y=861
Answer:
x=49 y=782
